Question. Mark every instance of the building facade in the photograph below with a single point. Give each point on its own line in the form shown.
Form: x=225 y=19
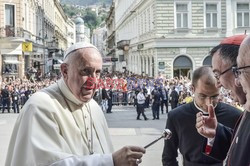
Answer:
x=111 y=40
x=28 y=31
x=99 y=39
x=174 y=37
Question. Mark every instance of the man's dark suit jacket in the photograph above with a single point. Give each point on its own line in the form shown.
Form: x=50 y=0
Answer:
x=181 y=121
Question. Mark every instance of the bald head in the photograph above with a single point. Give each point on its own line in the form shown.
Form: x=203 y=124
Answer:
x=244 y=53
x=205 y=74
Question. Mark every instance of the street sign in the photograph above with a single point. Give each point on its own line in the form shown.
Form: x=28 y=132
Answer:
x=56 y=66
x=27 y=47
x=114 y=59
x=161 y=65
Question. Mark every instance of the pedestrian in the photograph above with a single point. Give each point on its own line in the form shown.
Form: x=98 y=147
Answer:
x=141 y=105
x=227 y=143
x=5 y=93
x=174 y=98
x=110 y=98
x=164 y=101
x=181 y=121
x=15 y=96
x=156 y=101
x=63 y=125
x=104 y=99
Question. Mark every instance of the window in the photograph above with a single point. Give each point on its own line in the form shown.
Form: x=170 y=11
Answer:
x=211 y=15
x=182 y=15
x=9 y=15
x=242 y=14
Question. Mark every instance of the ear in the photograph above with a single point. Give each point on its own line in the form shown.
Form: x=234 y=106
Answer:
x=64 y=70
x=192 y=88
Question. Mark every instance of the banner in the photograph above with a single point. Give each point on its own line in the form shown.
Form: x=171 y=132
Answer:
x=27 y=47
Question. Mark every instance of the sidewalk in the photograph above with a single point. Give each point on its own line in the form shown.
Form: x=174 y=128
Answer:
x=7 y=122
x=126 y=130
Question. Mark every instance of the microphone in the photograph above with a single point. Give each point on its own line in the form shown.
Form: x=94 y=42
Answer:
x=166 y=135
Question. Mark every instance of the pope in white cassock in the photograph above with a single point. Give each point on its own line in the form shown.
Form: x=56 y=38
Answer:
x=63 y=125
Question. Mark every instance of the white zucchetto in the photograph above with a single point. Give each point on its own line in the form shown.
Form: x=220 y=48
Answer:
x=78 y=46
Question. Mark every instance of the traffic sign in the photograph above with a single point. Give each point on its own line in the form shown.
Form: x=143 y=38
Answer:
x=114 y=59
x=27 y=47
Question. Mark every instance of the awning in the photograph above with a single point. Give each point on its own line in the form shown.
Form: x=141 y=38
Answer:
x=12 y=51
x=12 y=62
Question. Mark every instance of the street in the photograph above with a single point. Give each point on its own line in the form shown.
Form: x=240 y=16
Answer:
x=124 y=130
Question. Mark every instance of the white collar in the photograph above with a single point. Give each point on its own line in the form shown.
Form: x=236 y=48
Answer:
x=201 y=109
x=67 y=93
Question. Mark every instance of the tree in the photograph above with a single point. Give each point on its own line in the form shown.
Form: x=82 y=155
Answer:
x=91 y=19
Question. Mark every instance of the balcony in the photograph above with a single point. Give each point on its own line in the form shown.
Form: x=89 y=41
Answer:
x=53 y=45
x=123 y=44
x=9 y=31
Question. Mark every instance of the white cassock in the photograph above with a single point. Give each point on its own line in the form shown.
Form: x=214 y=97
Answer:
x=55 y=128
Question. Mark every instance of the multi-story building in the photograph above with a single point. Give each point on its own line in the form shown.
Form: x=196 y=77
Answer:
x=45 y=29
x=99 y=39
x=17 y=25
x=60 y=32
x=29 y=31
x=111 y=42
x=174 y=37
x=71 y=32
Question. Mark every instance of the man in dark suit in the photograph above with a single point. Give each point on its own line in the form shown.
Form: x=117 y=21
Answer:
x=174 y=97
x=15 y=95
x=5 y=99
x=182 y=120
x=156 y=100
x=164 y=101
x=110 y=97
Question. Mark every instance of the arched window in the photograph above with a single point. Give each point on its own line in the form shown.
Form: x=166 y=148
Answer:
x=182 y=66
x=207 y=61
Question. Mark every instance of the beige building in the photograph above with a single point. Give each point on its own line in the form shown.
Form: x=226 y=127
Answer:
x=174 y=37
x=33 y=32
x=71 y=32
x=18 y=25
x=60 y=27
x=111 y=41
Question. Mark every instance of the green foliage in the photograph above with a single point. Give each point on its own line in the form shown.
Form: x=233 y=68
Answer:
x=72 y=11
x=91 y=19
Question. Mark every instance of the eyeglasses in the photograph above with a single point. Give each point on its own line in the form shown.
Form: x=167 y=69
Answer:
x=218 y=75
x=237 y=71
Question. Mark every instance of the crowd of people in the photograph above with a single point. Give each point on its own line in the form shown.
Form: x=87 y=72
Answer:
x=15 y=93
x=114 y=89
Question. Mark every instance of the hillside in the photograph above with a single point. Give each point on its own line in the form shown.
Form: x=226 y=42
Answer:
x=85 y=2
